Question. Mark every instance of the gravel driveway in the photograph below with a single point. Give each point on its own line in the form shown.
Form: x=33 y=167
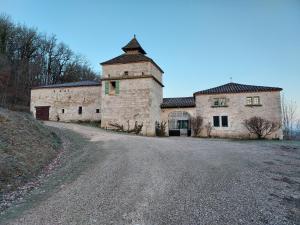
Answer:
x=151 y=181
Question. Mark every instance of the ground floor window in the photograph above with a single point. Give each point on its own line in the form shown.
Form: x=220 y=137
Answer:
x=216 y=121
x=97 y=110
x=80 y=110
x=224 y=121
x=220 y=121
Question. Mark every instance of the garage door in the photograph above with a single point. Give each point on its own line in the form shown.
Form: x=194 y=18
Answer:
x=42 y=112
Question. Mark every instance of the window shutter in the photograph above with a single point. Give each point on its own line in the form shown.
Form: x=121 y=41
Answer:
x=117 y=87
x=106 y=87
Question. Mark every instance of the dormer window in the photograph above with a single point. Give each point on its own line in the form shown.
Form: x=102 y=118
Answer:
x=126 y=73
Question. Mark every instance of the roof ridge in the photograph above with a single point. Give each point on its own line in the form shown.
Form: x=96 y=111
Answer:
x=237 y=88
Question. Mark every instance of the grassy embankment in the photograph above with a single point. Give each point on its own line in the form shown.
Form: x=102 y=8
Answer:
x=26 y=146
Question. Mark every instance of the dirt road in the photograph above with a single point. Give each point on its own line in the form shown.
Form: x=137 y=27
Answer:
x=144 y=180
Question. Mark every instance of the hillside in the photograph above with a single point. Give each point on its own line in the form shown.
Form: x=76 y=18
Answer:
x=26 y=146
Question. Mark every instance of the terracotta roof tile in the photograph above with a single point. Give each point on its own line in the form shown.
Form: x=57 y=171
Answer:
x=133 y=45
x=71 y=84
x=181 y=102
x=236 y=88
x=130 y=58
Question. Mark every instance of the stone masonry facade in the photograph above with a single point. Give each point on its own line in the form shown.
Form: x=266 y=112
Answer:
x=237 y=110
x=131 y=90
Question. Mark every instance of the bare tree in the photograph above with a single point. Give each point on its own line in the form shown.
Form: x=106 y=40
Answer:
x=208 y=128
x=29 y=59
x=196 y=125
x=288 y=117
x=261 y=127
x=137 y=129
x=160 y=128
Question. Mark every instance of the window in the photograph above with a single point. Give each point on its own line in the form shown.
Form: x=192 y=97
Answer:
x=182 y=124
x=97 y=110
x=216 y=121
x=256 y=100
x=224 y=121
x=126 y=73
x=219 y=102
x=112 y=87
x=80 y=110
x=249 y=101
x=63 y=111
x=253 y=101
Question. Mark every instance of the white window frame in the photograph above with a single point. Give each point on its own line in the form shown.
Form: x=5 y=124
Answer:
x=220 y=102
x=249 y=101
x=256 y=98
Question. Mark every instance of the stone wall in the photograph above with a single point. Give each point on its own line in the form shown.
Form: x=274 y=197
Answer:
x=237 y=112
x=139 y=98
x=136 y=101
x=69 y=99
x=165 y=113
x=133 y=69
x=156 y=100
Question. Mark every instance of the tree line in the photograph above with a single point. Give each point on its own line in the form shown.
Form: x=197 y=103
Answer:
x=29 y=58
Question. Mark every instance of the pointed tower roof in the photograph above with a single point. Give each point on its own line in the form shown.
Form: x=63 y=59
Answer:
x=134 y=57
x=134 y=45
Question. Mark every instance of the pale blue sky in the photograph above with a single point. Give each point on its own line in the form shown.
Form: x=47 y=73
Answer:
x=199 y=44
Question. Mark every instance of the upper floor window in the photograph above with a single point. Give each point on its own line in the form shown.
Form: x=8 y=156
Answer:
x=253 y=101
x=126 y=73
x=249 y=101
x=80 y=110
x=112 y=87
x=256 y=100
x=219 y=102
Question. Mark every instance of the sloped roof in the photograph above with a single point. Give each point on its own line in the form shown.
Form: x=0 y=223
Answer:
x=134 y=57
x=133 y=45
x=236 y=88
x=181 y=102
x=130 y=58
x=71 y=84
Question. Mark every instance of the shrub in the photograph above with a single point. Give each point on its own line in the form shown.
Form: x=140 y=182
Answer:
x=160 y=128
x=2 y=119
x=261 y=127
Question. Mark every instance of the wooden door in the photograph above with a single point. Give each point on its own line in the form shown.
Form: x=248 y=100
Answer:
x=42 y=112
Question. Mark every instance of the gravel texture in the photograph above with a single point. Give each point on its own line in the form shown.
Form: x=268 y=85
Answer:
x=126 y=179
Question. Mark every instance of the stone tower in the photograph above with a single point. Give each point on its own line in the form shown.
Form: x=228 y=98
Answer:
x=132 y=89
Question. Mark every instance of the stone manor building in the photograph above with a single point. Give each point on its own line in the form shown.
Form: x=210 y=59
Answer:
x=131 y=90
